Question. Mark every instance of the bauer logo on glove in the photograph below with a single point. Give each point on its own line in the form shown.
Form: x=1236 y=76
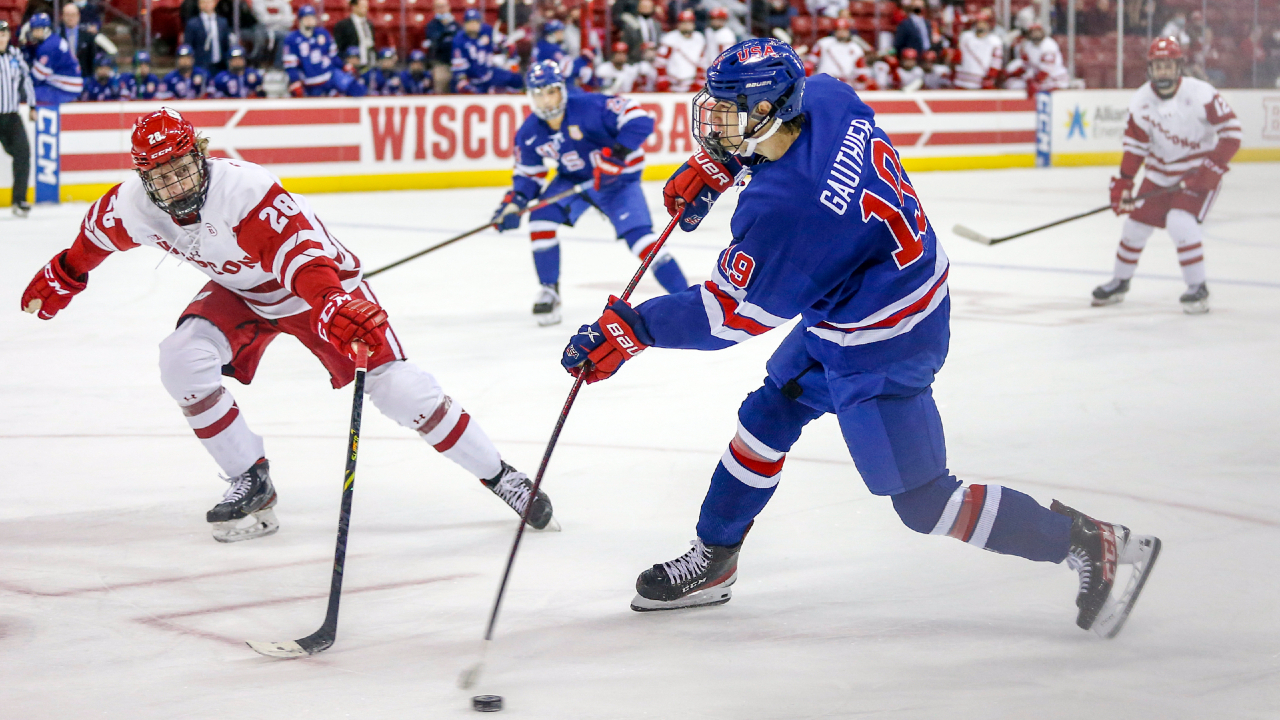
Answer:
x=600 y=354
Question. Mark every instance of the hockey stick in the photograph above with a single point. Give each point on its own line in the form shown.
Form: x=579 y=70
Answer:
x=580 y=187
x=974 y=235
x=471 y=675
x=322 y=639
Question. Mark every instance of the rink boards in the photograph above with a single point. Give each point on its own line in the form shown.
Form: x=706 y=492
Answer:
x=397 y=143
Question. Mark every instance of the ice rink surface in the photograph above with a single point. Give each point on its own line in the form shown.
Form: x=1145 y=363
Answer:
x=115 y=602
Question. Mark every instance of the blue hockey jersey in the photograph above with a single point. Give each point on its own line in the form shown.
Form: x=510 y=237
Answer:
x=380 y=83
x=55 y=72
x=591 y=123
x=247 y=84
x=410 y=85
x=311 y=60
x=472 y=61
x=133 y=87
x=95 y=91
x=177 y=86
x=832 y=232
x=547 y=50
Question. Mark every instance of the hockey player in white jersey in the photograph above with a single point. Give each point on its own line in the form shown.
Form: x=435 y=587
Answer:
x=1185 y=133
x=274 y=269
x=680 y=54
x=719 y=36
x=618 y=76
x=841 y=57
x=1037 y=64
x=981 y=55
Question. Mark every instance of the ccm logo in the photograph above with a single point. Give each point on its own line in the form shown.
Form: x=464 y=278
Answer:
x=623 y=340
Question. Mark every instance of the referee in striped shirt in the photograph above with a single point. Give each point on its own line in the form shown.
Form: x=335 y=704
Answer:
x=15 y=88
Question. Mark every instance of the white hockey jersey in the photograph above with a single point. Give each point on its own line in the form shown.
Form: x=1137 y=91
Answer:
x=632 y=77
x=1040 y=64
x=252 y=237
x=1174 y=136
x=843 y=61
x=717 y=42
x=978 y=57
x=908 y=79
x=680 y=58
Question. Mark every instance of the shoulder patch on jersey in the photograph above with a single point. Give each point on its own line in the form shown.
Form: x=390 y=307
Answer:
x=846 y=169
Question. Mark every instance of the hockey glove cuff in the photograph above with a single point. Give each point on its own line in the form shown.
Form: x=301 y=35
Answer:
x=696 y=186
x=619 y=335
x=52 y=289
x=608 y=167
x=1122 y=195
x=507 y=216
x=1202 y=180
x=341 y=320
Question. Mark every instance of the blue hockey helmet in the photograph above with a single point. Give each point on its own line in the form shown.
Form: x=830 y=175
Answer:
x=142 y=57
x=352 y=51
x=306 y=11
x=236 y=52
x=541 y=78
x=552 y=26
x=414 y=56
x=104 y=60
x=185 y=50
x=388 y=53
x=759 y=70
x=472 y=15
x=40 y=20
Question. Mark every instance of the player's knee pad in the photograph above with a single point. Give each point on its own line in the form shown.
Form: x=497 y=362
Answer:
x=542 y=233
x=1135 y=234
x=921 y=508
x=191 y=360
x=772 y=419
x=405 y=393
x=1183 y=228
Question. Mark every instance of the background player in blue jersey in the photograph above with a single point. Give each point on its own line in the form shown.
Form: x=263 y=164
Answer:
x=55 y=72
x=186 y=81
x=414 y=79
x=472 y=63
x=830 y=229
x=141 y=84
x=103 y=85
x=551 y=46
x=310 y=56
x=382 y=79
x=237 y=81
x=598 y=137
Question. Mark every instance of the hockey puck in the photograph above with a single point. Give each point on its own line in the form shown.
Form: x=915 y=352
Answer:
x=486 y=703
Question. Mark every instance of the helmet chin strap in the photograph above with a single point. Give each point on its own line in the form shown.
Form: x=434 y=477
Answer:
x=748 y=146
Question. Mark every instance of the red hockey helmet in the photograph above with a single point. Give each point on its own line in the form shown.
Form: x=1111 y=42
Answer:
x=1164 y=48
x=686 y=16
x=621 y=47
x=168 y=157
x=843 y=24
x=1164 y=66
x=718 y=13
x=910 y=54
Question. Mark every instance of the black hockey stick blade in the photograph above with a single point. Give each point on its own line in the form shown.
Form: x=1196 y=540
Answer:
x=471 y=674
x=970 y=234
x=580 y=187
x=323 y=639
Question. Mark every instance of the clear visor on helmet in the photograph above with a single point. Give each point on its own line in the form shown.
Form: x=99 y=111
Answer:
x=178 y=186
x=548 y=101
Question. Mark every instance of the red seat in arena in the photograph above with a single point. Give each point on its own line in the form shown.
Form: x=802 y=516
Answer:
x=801 y=26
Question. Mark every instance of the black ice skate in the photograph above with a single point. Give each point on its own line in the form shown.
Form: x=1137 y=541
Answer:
x=1195 y=301
x=1099 y=551
x=246 y=510
x=702 y=576
x=513 y=487
x=21 y=208
x=1110 y=292
x=546 y=308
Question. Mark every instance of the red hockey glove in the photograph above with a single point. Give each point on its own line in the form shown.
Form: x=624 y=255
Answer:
x=615 y=338
x=1121 y=195
x=52 y=289
x=989 y=82
x=296 y=89
x=1203 y=179
x=342 y=320
x=695 y=187
x=607 y=167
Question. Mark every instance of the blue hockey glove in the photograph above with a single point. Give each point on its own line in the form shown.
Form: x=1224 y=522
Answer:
x=696 y=186
x=615 y=338
x=507 y=216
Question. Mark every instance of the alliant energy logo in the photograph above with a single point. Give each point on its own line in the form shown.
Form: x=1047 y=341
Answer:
x=1271 y=118
x=1098 y=123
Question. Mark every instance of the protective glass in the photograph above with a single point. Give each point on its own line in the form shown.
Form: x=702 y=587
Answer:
x=178 y=186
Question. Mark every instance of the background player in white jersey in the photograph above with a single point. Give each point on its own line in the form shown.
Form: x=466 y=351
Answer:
x=680 y=54
x=274 y=269
x=1185 y=133
x=619 y=76
x=839 y=56
x=937 y=76
x=1037 y=64
x=908 y=75
x=719 y=36
x=981 y=55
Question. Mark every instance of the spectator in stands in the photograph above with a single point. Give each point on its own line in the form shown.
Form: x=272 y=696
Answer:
x=237 y=81
x=383 y=78
x=736 y=13
x=1096 y=20
x=310 y=56
x=102 y=85
x=639 y=28
x=829 y=8
x=675 y=7
x=913 y=32
x=440 y=32
x=356 y=31
x=551 y=46
x=81 y=43
x=1176 y=28
x=572 y=44
x=274 y=21
x=140 y=84
x=209 y=35
x=185 y=82
x=414 y=79
x=777 y=16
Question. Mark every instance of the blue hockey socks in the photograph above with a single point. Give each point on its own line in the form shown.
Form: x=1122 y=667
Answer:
x=546 y=251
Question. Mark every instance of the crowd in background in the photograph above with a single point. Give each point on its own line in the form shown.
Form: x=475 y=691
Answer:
x=643 y=46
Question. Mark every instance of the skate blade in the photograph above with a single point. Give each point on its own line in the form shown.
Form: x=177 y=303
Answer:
x=263 y=523
x=1199 y=307
x=551 y=318
x=1103 y=302
x=278 y=649
x=1140 y=552
x=553 y=525
x=717 y=595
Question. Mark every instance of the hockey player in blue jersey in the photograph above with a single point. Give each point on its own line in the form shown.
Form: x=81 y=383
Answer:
x=55 y=72
x=103 y=85
x=831 y=230
x=185 y=82
x=415 y=80
x=589 y=137
x=237 y=81
x=310 y=56
x=141 y=84
x=551 y=46
x=472 y=63
x=382 y=78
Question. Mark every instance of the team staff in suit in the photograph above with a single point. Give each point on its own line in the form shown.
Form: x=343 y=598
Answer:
x=209 y=36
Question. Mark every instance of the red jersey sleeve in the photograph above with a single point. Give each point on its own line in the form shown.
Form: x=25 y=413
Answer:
x=285 y=236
